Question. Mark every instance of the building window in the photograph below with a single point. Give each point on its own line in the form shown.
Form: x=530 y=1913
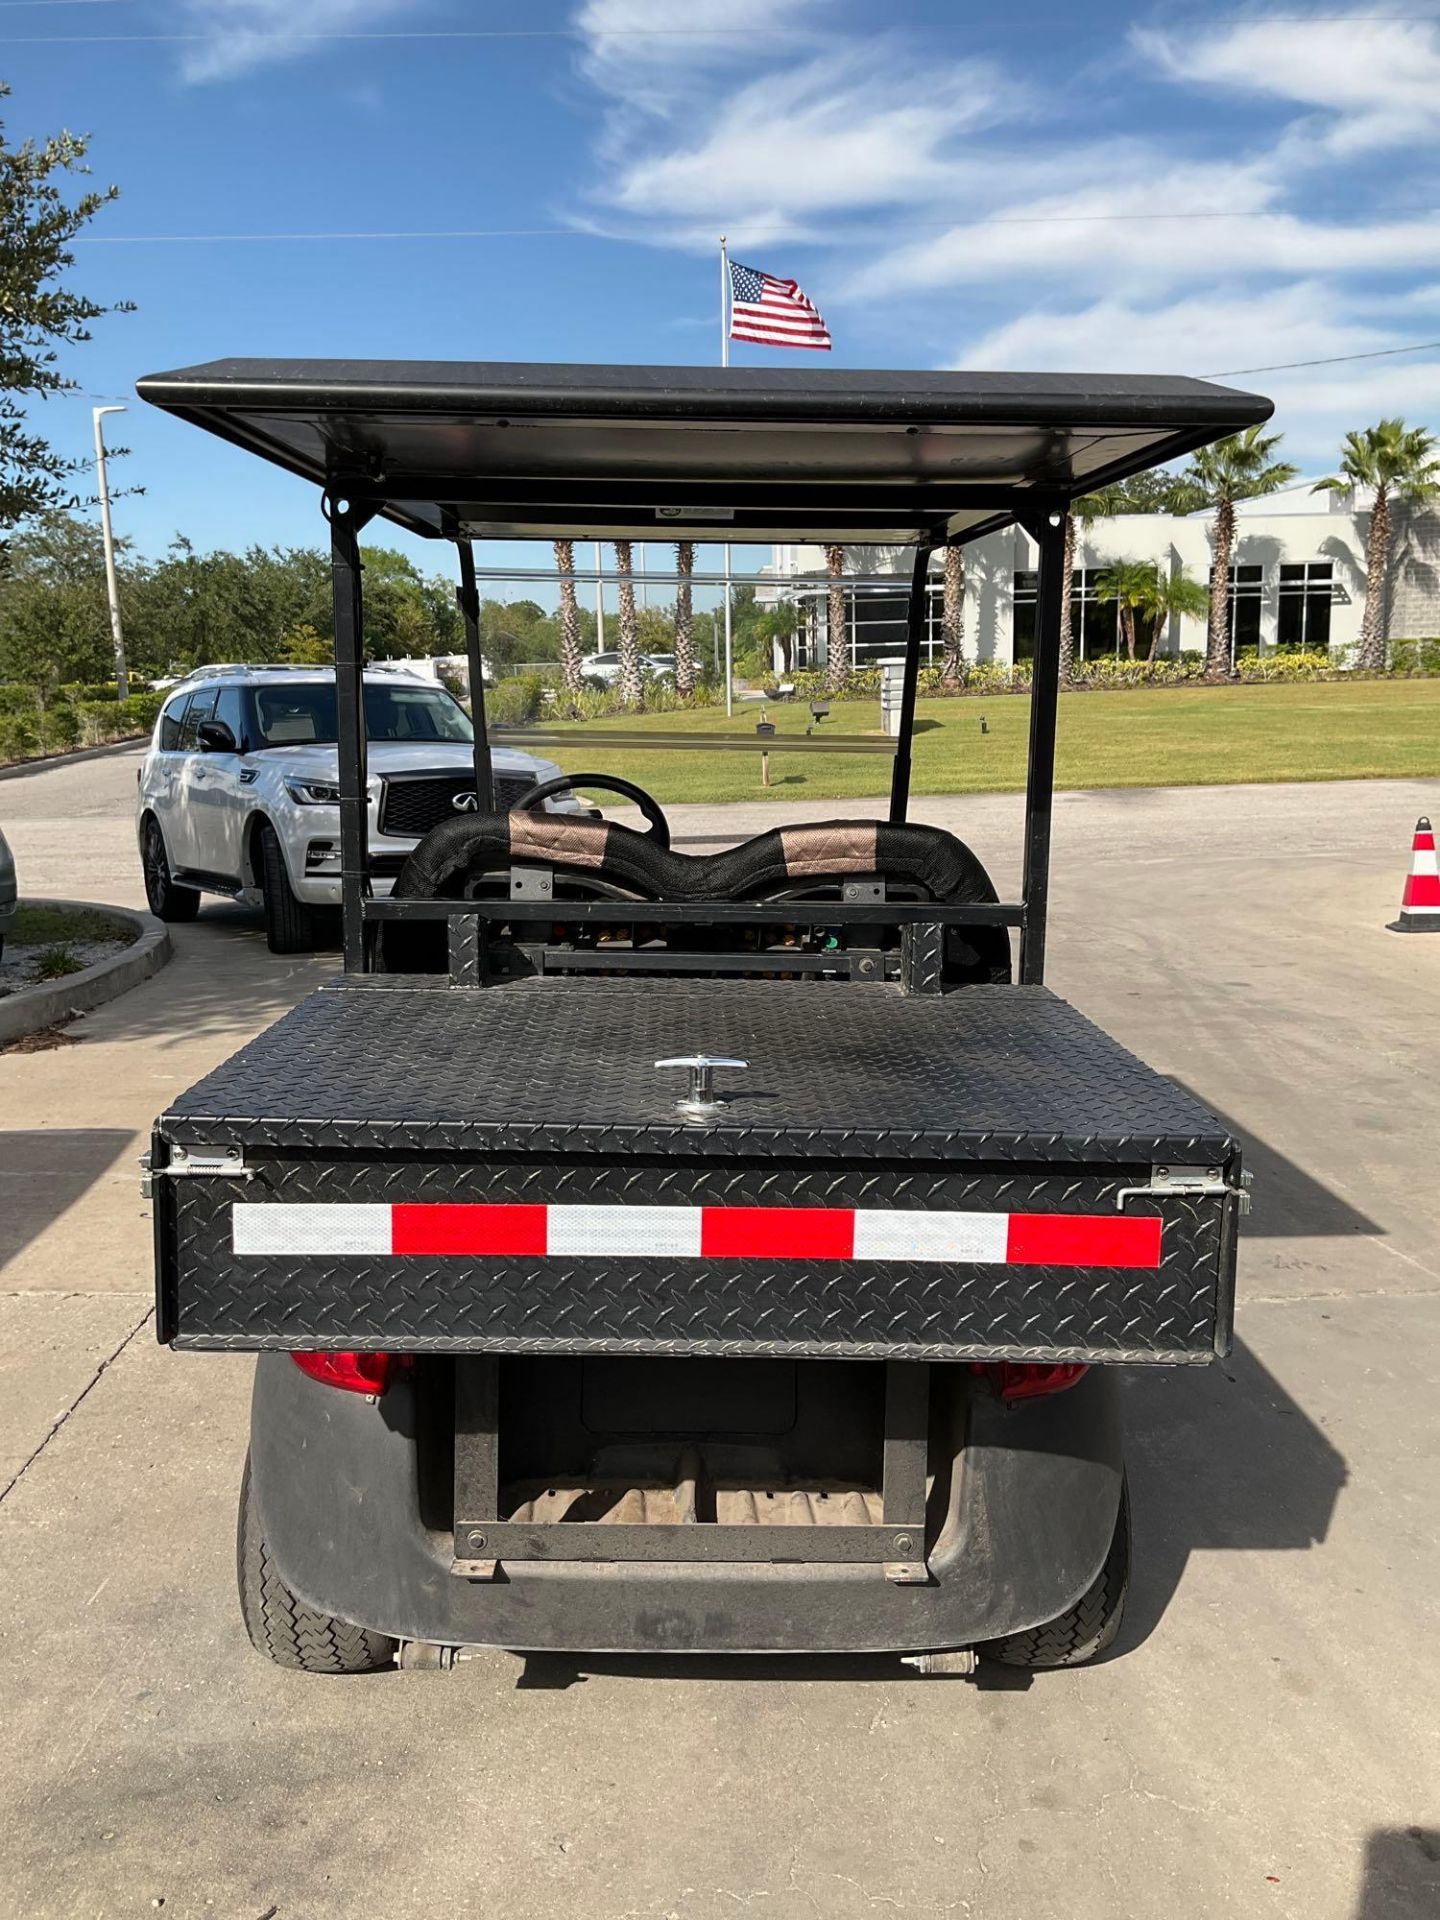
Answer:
x=1306 y=591
x=1247 y=586
x=1025 y=598
x=1094 y=624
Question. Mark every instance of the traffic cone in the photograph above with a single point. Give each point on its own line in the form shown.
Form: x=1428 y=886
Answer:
x=1420 y=904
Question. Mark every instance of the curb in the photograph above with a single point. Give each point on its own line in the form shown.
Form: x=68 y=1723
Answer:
x=45 y=1006
x=17 y=767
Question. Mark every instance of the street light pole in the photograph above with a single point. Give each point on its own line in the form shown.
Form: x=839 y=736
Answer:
x=122 y=683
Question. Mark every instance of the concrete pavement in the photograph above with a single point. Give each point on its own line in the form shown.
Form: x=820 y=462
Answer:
x=1265 y=1740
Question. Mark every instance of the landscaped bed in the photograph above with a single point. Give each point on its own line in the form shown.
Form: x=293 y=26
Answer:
x=47 y=944
x=1168 y=736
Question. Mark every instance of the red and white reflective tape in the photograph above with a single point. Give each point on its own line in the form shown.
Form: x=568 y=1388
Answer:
x=701 y=1233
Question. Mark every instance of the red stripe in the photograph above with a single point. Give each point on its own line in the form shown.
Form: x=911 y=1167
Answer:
x=1424 y=842
x=784 y=1233
x=467 y=1229
x=775 y=339
x=1422 y=890
x=1083 y=1240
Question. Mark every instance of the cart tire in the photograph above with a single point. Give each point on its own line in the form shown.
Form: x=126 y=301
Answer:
x=289 y=924
x=1085 y=1630
x=283 y=1628
x=167 y=901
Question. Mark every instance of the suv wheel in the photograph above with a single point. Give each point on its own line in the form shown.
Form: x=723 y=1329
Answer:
x=289 y=923
x=167 y=901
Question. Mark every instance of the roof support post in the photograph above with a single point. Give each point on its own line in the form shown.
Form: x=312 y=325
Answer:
x=914 y=641
x=349 y=617
x=1047 y=529
x=468 y=599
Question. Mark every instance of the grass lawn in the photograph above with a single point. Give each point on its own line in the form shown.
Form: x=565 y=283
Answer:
x=1169 y=737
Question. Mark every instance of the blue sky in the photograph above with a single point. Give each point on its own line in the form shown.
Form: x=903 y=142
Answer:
x=1169 y=189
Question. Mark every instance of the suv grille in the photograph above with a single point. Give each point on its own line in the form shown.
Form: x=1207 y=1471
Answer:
x=412 y=807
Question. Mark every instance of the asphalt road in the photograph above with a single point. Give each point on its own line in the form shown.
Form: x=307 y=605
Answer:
x=1266 y=1738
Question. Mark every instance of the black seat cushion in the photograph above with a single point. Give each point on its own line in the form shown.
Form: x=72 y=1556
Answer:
x=601 y=860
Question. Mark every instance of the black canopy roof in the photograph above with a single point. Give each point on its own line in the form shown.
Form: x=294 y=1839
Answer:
x=519 y=450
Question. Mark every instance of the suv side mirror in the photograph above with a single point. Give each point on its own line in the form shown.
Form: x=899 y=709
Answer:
x=215 y=736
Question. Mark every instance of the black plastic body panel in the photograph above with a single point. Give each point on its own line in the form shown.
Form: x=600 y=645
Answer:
x=337 y=1480
x=991 y=1100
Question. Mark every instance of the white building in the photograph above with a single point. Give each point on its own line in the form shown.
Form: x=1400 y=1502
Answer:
x=1297 y=582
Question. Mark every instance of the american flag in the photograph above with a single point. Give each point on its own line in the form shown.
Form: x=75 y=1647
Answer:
x=773 y=312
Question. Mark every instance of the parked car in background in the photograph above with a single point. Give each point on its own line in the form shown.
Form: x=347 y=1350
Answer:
x=603 y=669
x=9 y=892
x=239 y=794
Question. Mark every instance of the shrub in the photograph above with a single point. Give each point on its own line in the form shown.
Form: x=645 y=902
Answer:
x=78 y=690
x=19 y=735
x=59 y=729
x=139 y=713
x=1415 y=657
x=1285 y=666
x=514 y=702
x=18 y=699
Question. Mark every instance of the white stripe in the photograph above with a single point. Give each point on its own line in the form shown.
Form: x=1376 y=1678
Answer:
x=1427 y=860
x=672 y=1232
x=310 y=1229
x=931 y=1236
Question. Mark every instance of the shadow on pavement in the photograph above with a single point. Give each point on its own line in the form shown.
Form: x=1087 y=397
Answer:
x=1287 y=1202
x=1401 y=1879
x=44 y=1172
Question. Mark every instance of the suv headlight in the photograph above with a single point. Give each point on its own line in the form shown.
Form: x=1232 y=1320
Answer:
x=313 y=793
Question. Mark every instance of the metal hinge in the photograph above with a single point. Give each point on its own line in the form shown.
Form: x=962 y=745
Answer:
x=1187 y=1180
x=186 y=1165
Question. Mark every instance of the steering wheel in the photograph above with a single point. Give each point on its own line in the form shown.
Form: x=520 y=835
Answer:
x=610 y=783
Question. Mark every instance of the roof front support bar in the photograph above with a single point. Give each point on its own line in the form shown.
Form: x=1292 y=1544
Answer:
x=349 y=616
x=1048 y=532
x=916 y=618
x=468 y=599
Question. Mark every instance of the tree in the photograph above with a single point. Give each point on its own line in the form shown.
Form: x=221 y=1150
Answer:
x=1239 y=467
x=630 y=686
x=1130 y=584
x=687 y=670
x=1168 y=597
x=1396 y=462
x=837 y=640
x=54 y=622
x=952 y=619
x=39 y=314
x=571 y=672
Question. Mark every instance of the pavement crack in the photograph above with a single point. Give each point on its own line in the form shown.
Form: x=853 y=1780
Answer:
x=77 y=1402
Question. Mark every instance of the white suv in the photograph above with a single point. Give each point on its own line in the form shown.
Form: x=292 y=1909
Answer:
x=239 y=792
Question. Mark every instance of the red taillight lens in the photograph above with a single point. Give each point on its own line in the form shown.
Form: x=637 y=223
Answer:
x=352 y=1372
x=1029 y=1379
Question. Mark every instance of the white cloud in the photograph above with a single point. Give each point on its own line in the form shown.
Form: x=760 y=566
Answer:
x=1210 y=334
x=240 y=35
x=1377 y=80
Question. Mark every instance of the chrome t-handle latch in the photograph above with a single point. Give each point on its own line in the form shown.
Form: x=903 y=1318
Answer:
x=700 y=1103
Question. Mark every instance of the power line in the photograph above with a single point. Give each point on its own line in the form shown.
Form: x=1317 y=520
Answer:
x=1331 y=360
x=735 y=226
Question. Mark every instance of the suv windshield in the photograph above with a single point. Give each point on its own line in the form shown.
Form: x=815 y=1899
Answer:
x=304 y=715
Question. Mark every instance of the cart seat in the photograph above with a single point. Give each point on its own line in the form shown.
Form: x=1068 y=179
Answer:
x=474 y=854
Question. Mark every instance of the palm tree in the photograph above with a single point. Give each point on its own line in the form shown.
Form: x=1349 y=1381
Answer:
x=1236 y=468
x=1067 y=581
x=686 y=669
x=1131 y=585
x=1169 y=596
x=952 y=619
x=631 y=687
x=837 y=641
x=570 y=667
x=1397 y=462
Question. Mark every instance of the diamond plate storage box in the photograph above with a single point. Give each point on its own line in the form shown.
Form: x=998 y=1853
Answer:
x=403 y=1166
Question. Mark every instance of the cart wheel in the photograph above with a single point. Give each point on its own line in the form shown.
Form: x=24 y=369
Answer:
x=1086 y=1629
x=167 y=901
x=283 y=1628
x=289 y=923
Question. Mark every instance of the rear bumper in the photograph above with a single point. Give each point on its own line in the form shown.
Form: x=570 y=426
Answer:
x=336 y=1478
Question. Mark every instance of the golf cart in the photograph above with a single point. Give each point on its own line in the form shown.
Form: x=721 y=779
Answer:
x=618 y=1283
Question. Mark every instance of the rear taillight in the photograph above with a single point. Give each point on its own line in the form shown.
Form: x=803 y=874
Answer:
x=1029 y=1379
x=352 y=1372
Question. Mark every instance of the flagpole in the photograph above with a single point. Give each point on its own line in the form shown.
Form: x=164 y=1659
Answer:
x=725 y=361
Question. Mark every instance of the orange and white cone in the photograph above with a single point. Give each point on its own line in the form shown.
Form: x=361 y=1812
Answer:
x=1420 y=905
